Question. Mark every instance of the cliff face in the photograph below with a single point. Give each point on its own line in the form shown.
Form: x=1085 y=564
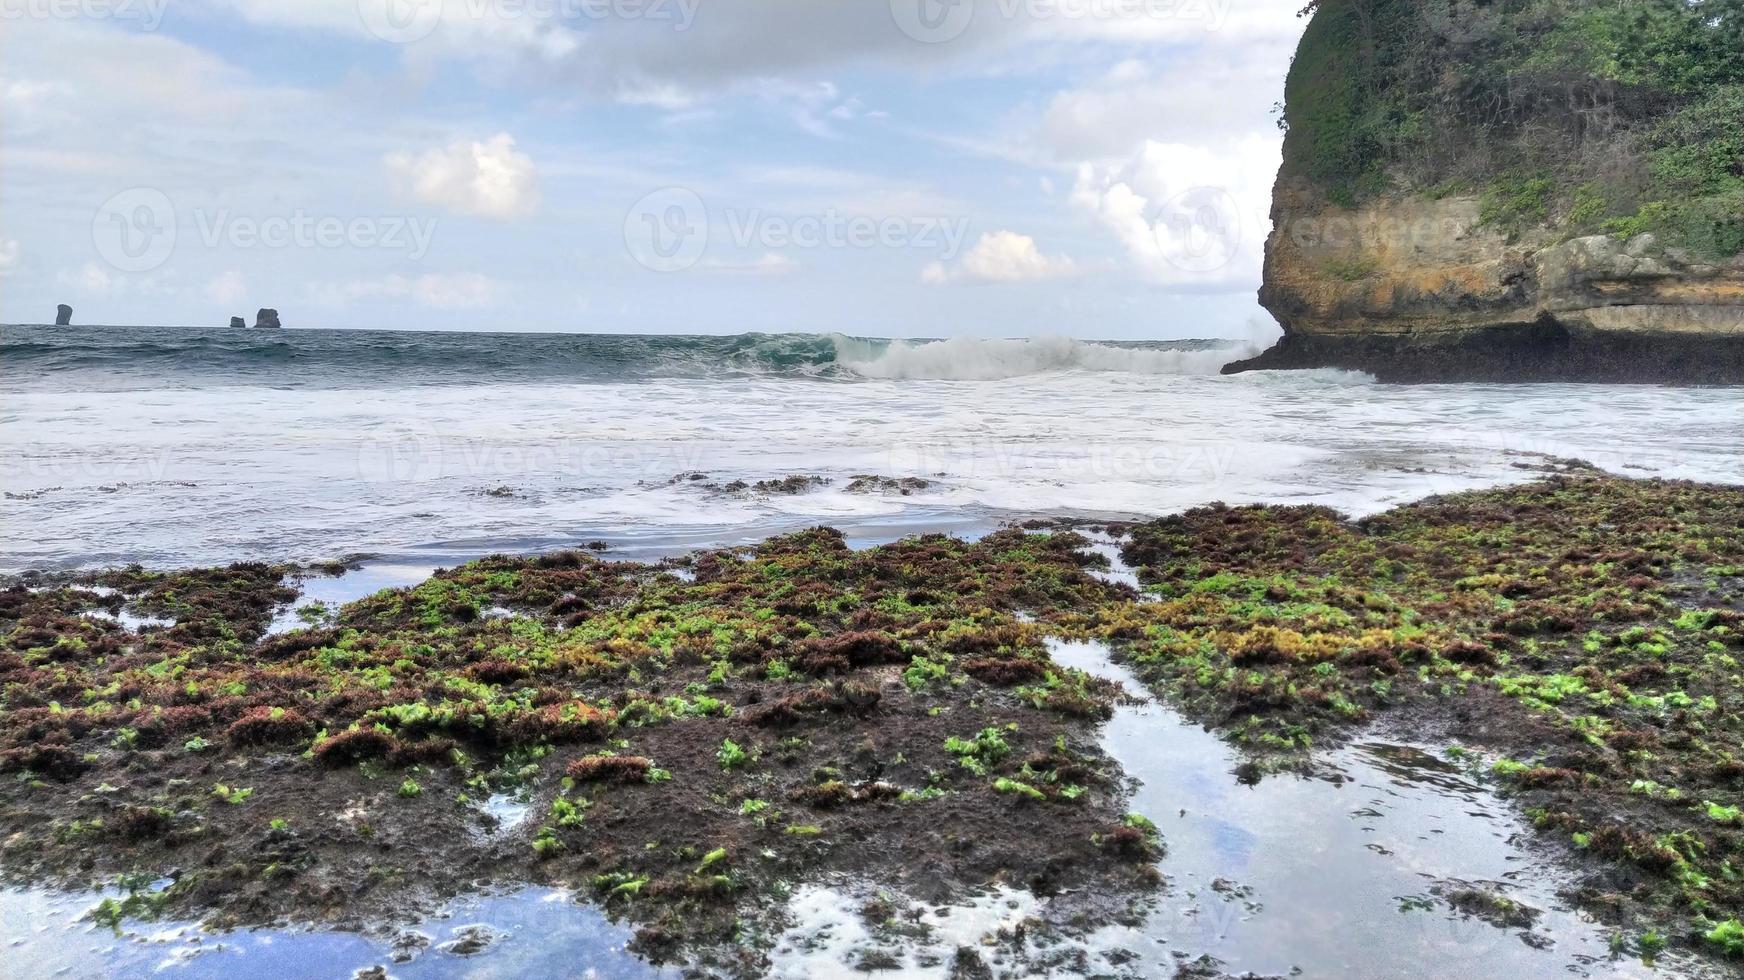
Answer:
x=1420 y=290
x=1421 y=238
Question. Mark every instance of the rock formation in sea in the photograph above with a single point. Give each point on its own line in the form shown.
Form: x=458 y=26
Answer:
x=1532 y=190
x=63 y=315
x=237 y=321
x=266 y=319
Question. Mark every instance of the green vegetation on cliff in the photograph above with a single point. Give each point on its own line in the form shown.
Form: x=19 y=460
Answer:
x=1584 y=115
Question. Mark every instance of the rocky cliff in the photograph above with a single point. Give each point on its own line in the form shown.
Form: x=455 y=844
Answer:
x=1520 y=190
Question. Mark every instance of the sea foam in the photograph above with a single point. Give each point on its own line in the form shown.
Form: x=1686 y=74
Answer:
x=972 y=359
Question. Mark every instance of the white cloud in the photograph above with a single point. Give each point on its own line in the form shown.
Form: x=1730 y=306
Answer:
x=769 y=264
x=92 y=278
x=1166 y=22
x=227 y=288
x=465 y=291
x=672 y=54
x=452 y=28
x=488 y=179
x=1001 y=257
x=9 y=257
x=1201 y=97
x=1188 y=215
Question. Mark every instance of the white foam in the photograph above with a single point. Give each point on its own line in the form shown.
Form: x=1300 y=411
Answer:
x=972 y=359
x=384 y=470
x=828 y=935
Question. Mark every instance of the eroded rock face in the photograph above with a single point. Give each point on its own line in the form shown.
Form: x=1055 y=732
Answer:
x=1444 y=206
x=237 y=322
x=1415 y=289
x=63 y=315
x=266 y=319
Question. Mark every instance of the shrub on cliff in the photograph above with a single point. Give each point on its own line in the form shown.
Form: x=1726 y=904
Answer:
x=1615 y=117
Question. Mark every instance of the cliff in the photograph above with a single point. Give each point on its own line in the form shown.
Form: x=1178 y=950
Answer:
x=1525 y=190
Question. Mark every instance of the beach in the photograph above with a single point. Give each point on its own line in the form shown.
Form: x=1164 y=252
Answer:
x=802 y=704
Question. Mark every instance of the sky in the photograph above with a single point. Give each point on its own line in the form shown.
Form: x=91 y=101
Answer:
x=1098 y=169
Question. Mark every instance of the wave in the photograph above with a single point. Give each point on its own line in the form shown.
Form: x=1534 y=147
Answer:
x=967 y=359
x=123 y=358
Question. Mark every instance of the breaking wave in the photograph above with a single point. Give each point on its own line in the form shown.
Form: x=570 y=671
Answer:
x=965 y=359
x=124 y=358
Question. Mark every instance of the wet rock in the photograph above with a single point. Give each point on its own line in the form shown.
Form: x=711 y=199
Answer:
x=876 y=961
x=968 y=965
x=266 y=319
x=407 y=945
x=902 y=486
x=63 y=315
x=472 y=940
x=237 y=323
x=789 y=485
x=1493 y=907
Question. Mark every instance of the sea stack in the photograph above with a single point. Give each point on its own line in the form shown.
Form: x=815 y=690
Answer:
x=266 y=319
x=1481 y=198
x=236 y=323
x=63 y=315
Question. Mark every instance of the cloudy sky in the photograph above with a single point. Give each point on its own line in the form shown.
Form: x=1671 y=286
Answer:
x=1094 y=168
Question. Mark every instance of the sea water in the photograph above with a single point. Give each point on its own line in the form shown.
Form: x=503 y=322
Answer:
x=177 y=447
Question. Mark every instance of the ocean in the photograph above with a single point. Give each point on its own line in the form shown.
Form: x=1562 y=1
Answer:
x=175 y=447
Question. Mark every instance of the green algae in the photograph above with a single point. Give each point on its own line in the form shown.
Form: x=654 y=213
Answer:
x=760 y=686
x=1572 y=626
x=815 y=707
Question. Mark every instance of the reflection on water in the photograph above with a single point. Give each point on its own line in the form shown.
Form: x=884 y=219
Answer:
x=530 y=933
x=1335 y=876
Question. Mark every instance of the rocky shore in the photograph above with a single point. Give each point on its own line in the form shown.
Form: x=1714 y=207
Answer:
x=690 y=740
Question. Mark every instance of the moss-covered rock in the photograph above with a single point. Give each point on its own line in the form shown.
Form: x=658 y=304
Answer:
x=1442 y=156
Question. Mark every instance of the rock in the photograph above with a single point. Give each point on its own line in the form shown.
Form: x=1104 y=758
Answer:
x=1442 y=297
x=237 y=322
x=1641 y=244
x=407 y=945
x=266 y=319
x=867 y=483
x=472 y=940
x=63 y=315
x=1416 y=278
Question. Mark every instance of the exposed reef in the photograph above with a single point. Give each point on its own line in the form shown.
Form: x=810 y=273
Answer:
x=689 y=740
